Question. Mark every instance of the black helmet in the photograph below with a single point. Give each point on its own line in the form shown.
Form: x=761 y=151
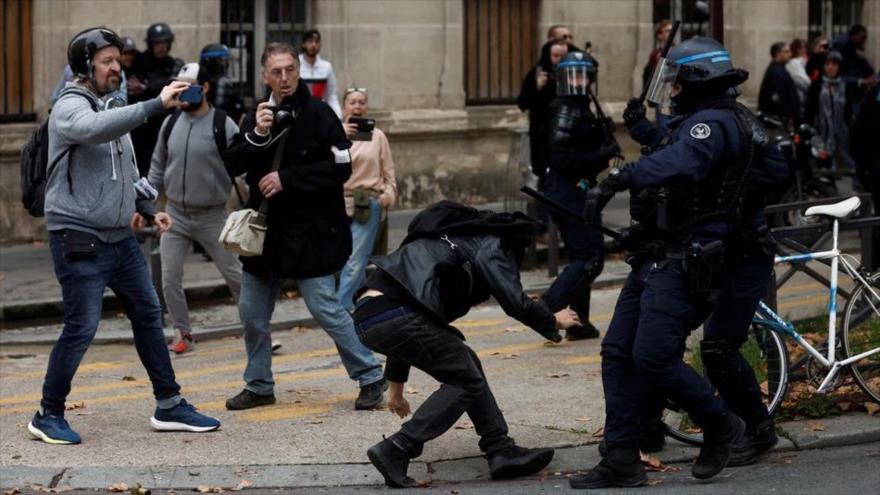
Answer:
x=574 y=74
x=83 y=47
x=159 y=31
x=128 y=44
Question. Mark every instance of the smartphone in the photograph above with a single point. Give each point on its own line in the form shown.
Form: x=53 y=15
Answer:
x=192 y=95
x=364 y=128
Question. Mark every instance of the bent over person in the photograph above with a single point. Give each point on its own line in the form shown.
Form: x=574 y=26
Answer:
x=308 y=237
x=92 y=195
x=453 y=258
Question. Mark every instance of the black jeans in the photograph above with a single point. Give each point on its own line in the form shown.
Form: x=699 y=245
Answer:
x=415 y=340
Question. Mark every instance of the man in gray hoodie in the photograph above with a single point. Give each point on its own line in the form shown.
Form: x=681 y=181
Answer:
x=93 y=200
x=188 y=165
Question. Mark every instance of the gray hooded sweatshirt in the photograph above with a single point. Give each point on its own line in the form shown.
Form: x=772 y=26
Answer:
x=91 y=188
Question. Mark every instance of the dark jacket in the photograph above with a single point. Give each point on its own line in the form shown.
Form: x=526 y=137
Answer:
x=308 y=232
x=778 y=96
x=574 y=138
x=537 y=102
x=455 y=257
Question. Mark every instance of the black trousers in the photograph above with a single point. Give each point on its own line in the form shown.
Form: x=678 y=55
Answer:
x=417 y=341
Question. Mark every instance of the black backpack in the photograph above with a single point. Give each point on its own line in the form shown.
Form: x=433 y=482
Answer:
x=219 y=127
x=35 y=167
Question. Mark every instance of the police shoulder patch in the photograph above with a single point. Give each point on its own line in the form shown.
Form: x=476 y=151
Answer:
x=700 y=131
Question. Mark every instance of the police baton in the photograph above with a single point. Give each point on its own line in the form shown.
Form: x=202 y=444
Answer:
x=565 y=212
x=661 y=61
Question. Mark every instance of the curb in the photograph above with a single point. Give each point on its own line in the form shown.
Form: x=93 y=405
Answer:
x=568 y=459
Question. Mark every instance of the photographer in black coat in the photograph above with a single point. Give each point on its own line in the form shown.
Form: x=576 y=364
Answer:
x=308 y=236
x=453 y=258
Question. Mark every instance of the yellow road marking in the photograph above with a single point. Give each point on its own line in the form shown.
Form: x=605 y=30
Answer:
x=593 y=359
x=291 y=411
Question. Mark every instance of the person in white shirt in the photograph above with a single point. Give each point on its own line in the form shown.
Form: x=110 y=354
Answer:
x=797 y=68
x=316 y=72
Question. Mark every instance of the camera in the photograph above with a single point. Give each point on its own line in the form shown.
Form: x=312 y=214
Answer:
x=285 y=115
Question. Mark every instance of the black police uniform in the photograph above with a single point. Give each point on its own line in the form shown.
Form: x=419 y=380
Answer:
x=155 y=74
x=579 y=151
x=223 y=94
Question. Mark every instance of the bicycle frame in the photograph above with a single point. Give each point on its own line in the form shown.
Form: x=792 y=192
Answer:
x=778 y=324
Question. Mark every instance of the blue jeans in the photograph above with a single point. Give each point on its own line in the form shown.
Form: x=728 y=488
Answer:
x=255 y=307
x=120 y=266
x=643 y=351
x=363 y=237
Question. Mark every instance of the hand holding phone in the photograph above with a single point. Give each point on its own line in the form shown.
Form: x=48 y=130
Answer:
x=364 y=128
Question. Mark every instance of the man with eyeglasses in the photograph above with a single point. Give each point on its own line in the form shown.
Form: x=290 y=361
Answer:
x=308 y=237
x=559 y=32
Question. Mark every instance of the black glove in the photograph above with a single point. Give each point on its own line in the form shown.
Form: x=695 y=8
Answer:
x=630 y=237
x=634 y=112
x=599 y=196
x=609 y=149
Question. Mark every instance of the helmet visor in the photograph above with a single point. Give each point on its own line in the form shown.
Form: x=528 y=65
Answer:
x=660 y=89
x=573 y=78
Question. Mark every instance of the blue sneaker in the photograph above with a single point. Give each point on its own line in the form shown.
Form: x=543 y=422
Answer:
x=52 y=429
x=183 y=417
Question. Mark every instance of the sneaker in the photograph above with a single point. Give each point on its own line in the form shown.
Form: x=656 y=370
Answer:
x=182 y=342
x=183 y=417
x=619 y=468
x=52 y=429
x=718 y=438
x=275 y=346
x=247 y=400
x=513 y=462
x=371 y=395
x=582 y=332
x=392 y=462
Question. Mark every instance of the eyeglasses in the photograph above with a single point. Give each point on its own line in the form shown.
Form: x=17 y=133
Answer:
x=354 y=90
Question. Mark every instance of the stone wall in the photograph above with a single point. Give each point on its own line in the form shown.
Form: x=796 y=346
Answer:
x=195 y=24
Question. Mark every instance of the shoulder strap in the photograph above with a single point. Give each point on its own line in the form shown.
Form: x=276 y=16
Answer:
x=166 y=133
x=276 y=163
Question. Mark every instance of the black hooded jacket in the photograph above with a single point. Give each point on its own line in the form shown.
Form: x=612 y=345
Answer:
x=537 y=102
x=455 y=257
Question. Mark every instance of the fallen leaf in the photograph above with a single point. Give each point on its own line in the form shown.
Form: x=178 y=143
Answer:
x=44 y=489
x=599 y=433
x=816 y=426
x=194 y=473
x=128 y=378
x=557 y=375
x=75 y=405
x=85 y=413
x=653 y=482
x=14 y=491
x=464 y=425
x=495 y=353
x=242 y=485
x=423 y=484
x=514 y=329
x=845 y=406
x=454 y=492
x=209 y=489
x=301 y=329
x=511 y=356
x=315 y=421
x=651 y=462
x=583 y=420
x=872 y=408
x=411 y=390
x=118 y=487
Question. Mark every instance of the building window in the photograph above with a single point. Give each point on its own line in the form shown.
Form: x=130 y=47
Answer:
x=691 y=24
x=16 y=80
x=247 y=25
x=831 y=18
x=500 y=48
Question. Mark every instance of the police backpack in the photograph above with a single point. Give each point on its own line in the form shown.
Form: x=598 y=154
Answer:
x=35 y=167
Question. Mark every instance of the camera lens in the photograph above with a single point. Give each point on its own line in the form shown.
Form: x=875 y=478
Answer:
x=283 y=118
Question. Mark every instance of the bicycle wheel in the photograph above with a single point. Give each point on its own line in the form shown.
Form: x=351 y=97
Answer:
x=861 y=333
x=765 y=351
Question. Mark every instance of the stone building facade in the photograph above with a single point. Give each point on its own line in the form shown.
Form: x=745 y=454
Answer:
x=417 y=59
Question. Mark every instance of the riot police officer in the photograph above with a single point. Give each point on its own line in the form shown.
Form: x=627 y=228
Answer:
x=152 y=70
x=580 y=148
x=701 y=170
x=215 y=58
x=747 y=270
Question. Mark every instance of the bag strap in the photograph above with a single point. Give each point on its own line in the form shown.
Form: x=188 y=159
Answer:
x=219 y=127
x=276 y=162
x=166 y=132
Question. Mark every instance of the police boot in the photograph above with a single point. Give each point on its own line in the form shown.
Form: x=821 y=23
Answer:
x=651 y=439
x=718 y=438
x=392 y=462
x=619 y=468
x=513 y=462
x=757 y=441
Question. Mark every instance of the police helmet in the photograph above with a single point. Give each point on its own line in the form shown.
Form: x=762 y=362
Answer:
x=85 y=45
x=159 y=31
x=128 y=44
x=214 y=50
x=574 y=73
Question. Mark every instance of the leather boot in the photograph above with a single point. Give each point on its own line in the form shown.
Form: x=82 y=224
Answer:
x=718 y=438
x=392 y=462
x=619 y=468
x=755 y=443
x=513 y=462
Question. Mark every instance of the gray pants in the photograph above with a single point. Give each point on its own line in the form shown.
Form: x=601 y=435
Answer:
x=204 y=227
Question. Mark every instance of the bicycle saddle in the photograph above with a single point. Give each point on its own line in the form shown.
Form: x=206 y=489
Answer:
x=836 y=210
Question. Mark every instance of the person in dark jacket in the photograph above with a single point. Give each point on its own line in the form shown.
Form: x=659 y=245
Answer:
x=828 y=109
x=855 y=69
x=453 y=258
x=537 y=92
x=152 y=70
x=778 y=94
x=308 y=236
